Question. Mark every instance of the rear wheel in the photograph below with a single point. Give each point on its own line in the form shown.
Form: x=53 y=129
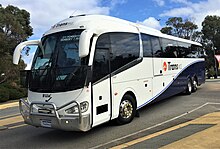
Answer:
x=195 y=85
x=189 y=87
x=127 y=110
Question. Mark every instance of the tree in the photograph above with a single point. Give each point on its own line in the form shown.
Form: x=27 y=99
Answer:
x=167 y=30
x=211 y=31
x=197 y=36
x=177 y=27
x=211 y=40
x=14 y=28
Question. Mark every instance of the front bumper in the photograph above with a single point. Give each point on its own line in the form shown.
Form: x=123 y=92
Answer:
x=53 y=119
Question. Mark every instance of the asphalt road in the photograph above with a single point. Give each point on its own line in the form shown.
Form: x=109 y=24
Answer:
x=153 y=118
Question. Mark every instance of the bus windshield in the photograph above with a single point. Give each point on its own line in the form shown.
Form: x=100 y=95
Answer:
x=57 y=66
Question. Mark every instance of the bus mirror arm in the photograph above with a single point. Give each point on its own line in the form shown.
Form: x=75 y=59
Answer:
x=89 y=76
x=20 y=47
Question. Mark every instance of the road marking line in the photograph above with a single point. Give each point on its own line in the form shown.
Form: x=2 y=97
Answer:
x=212 y=118
x=3 y=128
x=145 y=138
x=154 y=126
x=8 y=116
x=127 y=144
x=13 y=127
x=208 y=138
x=9 y=105
x=11 y=120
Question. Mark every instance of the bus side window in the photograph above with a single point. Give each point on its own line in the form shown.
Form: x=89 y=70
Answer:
x=157 y=51
x=101 y=58
x=197 y=51
x=169 y=47
x=125 y=47
x=184 y=50
x=146 y=45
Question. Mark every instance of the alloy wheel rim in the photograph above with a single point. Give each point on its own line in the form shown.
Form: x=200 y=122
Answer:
x=126 y=109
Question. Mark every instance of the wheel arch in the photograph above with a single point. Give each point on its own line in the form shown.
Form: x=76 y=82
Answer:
x=195 y=77
x=128 y=98
x=128 y=91
x=131 y=93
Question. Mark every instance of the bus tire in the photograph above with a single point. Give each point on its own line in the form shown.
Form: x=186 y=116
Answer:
x=189 y=87
x=127 y=110
x=194 y=85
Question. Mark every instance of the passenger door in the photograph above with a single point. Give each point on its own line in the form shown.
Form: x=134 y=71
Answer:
x=101 y=83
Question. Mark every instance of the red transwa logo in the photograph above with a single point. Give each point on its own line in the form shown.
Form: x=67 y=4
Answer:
x=164 y=66
x=170 y=66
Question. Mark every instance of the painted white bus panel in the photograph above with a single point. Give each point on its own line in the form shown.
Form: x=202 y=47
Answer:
x=91 y=69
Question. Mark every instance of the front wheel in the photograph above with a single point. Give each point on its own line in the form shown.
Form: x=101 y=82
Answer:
x=127 y=110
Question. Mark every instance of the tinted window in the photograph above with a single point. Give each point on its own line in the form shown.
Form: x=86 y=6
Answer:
x=101 y=58
x=125 y=47
x=146 y=45
x=197 y=51
x=57 y=67
x=44 y=57
x=169 y=47
x=184 y=49
x=157 y=51
x=69 y=55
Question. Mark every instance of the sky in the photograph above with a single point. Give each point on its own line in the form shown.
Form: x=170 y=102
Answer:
x=152 y=13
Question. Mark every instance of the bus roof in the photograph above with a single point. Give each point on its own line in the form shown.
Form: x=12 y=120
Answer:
x=100 y=24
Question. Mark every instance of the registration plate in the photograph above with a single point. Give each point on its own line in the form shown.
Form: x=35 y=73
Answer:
x=45 y=123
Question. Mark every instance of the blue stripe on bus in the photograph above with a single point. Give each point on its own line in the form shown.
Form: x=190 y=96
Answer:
x=165 y=89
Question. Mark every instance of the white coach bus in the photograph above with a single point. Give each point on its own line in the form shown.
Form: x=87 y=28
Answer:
x=91 y=69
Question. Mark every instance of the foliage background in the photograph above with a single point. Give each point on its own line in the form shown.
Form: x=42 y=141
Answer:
x=14 y=28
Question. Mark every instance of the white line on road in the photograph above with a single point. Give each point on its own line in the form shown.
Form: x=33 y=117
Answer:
x=9 y=105
x=154 y=126
x=8 y=116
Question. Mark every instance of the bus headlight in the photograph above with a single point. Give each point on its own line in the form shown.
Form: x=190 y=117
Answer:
x=74 y=109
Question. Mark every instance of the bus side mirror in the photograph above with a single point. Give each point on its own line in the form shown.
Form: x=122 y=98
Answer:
x=84 y=43
x=20 y=47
